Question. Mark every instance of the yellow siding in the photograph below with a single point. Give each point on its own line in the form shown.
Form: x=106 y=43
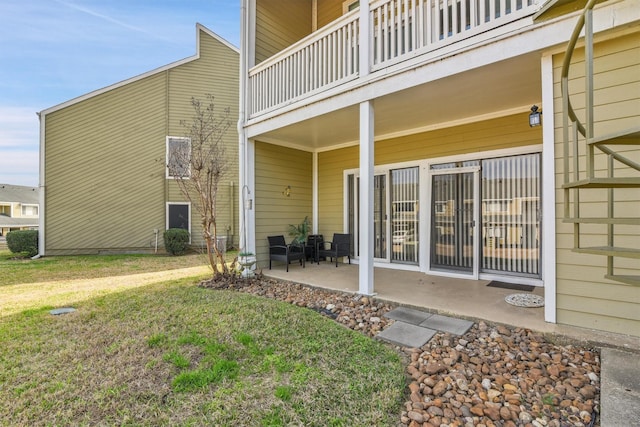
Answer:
x=106 y=189
x=331 y=167
x=328 y=11
x=279 y=24
x=499 y=133
x=584 y=297
x=275 y=169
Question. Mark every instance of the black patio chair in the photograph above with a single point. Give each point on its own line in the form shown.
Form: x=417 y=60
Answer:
x=339 y=247
x=280 y=251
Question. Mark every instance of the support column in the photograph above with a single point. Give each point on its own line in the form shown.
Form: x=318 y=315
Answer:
x=314 y=194
x=548 y=192
x=365 y=282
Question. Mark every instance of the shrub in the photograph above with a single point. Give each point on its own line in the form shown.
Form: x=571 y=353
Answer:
x=23 y=241
x=176 y=241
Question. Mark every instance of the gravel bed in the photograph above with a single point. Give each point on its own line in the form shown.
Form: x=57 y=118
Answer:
x=494 y=375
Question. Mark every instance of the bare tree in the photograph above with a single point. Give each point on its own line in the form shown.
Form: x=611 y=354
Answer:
x=198 y=164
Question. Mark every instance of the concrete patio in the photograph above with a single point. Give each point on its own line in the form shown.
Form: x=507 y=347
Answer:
x=463 y=298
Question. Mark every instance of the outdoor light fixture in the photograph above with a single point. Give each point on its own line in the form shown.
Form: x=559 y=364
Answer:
x=535 y=117
x=287 y=191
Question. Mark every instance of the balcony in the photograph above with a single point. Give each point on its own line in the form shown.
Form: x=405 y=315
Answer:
x=399 y=31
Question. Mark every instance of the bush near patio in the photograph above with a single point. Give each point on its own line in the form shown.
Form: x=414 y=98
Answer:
x=172 y=353
x=23 y=242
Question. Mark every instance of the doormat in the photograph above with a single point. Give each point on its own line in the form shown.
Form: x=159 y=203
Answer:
x=513 y=286
x=525 y=300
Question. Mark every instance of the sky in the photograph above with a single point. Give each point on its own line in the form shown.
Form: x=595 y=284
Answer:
x=52 y=51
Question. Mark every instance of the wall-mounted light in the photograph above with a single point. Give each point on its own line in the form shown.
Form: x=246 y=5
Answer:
x=287 y=191
x=535 y=117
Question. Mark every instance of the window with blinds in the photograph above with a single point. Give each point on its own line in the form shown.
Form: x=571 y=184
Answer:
x=511 y=215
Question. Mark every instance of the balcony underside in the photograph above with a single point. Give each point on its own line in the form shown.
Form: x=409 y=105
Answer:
x=404 y=106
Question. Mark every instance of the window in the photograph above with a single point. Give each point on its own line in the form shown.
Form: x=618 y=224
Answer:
x=178 y=216
x=349 y=5
x=178 y=157
x=29 y=210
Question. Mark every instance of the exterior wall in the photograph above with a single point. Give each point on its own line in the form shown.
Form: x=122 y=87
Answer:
x=279 y=24
x=499 y=133
x=100 y=193
x=104 y=167
x=276 y=168
x=584 y=297
x=329 y=11
x=215 y=73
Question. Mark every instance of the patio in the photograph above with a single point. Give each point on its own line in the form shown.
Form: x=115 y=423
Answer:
x=470 y=299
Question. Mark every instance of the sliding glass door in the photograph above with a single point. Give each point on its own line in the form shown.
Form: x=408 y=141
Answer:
x=405 y=210
x=511 y=215
x=380 y=216
x=507 y=207
x=453 y=221
x=395 y=214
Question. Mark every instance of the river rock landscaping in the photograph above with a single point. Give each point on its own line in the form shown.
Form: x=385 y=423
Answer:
x=494 y=375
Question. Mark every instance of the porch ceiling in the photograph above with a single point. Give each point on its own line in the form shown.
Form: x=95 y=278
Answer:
x=507 y=85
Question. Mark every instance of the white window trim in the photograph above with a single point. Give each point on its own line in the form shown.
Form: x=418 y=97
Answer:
x=167 y=174
x=166 y=223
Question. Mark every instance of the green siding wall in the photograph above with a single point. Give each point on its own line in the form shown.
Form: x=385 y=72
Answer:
x=584 y=297
x=106 y=189
x=104 y=177
x=275 y=169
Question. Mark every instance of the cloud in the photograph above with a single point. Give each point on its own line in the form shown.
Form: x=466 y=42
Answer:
x=19 y=128
x=19 y=146
x=112 y=20
x=19 y=167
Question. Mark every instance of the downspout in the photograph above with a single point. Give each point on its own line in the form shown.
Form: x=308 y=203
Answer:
x=242 y=142
x=41 y=184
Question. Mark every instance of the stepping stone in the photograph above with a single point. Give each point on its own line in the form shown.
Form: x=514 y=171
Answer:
x=447 y=324
x=407 y=335
x=408 y=315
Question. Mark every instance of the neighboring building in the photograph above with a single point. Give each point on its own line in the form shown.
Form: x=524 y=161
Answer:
x=406 y=124
x=19 y=209
x=104 y=181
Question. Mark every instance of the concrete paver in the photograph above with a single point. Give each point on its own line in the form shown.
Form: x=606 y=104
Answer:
x=407 y=335
x=414 y=328
x=447 y=324
x=408 y=315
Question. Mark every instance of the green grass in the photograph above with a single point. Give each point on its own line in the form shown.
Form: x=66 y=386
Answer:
x=172 y=353
x=17 y=270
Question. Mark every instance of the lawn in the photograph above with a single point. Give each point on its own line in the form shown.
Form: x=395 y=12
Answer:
x=25 y=270
x=172 y=353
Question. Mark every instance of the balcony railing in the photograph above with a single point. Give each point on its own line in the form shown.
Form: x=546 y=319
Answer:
x=399 y=30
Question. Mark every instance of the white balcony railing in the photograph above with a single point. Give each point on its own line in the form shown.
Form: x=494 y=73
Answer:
x=399 y=30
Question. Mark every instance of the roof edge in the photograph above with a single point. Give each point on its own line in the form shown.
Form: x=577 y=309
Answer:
x=200 y=27
x=89 y=95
